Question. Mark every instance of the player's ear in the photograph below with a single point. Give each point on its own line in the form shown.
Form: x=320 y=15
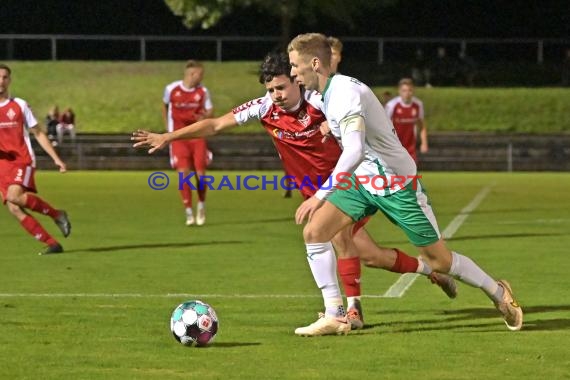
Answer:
x=315 y=64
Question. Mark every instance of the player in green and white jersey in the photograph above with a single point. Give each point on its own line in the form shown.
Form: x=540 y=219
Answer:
x=381 y=176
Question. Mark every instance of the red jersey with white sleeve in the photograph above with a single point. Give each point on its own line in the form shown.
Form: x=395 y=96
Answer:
x=405 y=117
x=297 y=137
x=185 y=105
x=16 y=118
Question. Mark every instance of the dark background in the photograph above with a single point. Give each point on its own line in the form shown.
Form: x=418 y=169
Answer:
x=496 y=63
x=406 y=18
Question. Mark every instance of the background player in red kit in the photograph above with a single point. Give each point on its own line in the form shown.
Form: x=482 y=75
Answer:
x=292 y=117
x=185 y=102
x=407 y=114
x=17 y=166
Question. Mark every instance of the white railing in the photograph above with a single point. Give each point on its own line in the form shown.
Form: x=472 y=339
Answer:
x=141 y=43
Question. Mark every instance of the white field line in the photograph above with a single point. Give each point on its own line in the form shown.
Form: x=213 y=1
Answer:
x=166 y=295
x=403 y=283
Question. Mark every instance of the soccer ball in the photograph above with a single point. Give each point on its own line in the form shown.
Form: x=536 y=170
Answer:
x=194 y=323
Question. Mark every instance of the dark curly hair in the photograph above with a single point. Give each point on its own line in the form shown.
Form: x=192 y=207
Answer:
x=274 y=64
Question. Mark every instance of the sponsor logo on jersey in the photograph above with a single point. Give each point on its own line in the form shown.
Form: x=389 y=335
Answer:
x=11 y=114
x=278 y=133
x=186 y=105
x=301 y=135
x=304 y=118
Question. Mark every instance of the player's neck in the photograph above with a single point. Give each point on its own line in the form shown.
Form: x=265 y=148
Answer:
x=4 y=96
x=324 y=81
x=188 y=85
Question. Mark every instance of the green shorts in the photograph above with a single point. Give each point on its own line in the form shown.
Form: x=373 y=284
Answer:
x=408 y=208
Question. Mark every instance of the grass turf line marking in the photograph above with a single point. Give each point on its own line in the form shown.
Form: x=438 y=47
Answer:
x=403 y=283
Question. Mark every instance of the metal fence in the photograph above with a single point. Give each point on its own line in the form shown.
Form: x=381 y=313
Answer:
x=223 y=48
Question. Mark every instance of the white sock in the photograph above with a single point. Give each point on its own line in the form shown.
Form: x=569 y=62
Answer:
x=189 y=211
x=322 y=261
x=423 y=267
x=350 y=301
x=468 y=272
x=201 y=206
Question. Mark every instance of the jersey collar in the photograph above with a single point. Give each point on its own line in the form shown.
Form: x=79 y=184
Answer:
x=5 y=102
x=328 y=83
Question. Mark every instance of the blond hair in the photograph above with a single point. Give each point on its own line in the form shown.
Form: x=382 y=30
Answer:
x=335 y=43
x=314 y=45
x=406 y=82
x=191 y=63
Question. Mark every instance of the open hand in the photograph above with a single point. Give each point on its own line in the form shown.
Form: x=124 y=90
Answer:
x=143 y=138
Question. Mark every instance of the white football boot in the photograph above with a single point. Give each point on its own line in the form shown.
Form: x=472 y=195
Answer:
x=325 y=325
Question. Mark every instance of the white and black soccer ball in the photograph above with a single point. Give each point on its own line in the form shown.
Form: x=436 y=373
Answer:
x=194 y=323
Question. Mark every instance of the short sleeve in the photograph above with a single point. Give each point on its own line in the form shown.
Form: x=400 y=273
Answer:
x=390 y=108
x=208 y=105
x=420 y=110
x=166 y=95
x=254 y=109
x=29 y=118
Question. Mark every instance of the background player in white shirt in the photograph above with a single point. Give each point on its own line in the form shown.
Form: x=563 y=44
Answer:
x=373 y=153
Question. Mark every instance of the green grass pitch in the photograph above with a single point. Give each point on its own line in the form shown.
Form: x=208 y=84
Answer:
x=101 y=310
x=124 y=96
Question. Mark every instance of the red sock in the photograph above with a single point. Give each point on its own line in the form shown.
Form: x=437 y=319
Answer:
x=36 y=230
x=186 y=194
x=349 y=271
x=404 y=263
x=201 y=192
x=35 y=203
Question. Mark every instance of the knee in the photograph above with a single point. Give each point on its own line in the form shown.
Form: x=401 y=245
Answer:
x=312 y=234
x=14 y=209
x=15 y=199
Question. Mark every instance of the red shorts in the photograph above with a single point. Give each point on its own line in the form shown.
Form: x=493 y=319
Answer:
x=358 y=225
x=189 y=154
x=16 y=174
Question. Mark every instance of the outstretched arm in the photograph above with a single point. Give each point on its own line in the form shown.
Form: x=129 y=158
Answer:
x=202 y=128
x=44 y=142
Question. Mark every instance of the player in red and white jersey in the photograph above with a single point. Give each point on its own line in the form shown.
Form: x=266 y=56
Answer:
x=292 y=117
x=185 y=102
x=17 y=166
x=407 y=115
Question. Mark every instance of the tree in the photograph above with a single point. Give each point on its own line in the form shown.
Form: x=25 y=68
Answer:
x=206 y=13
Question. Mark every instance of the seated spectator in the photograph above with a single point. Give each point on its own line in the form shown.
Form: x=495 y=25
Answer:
x=52 y=120
x=66 y=125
